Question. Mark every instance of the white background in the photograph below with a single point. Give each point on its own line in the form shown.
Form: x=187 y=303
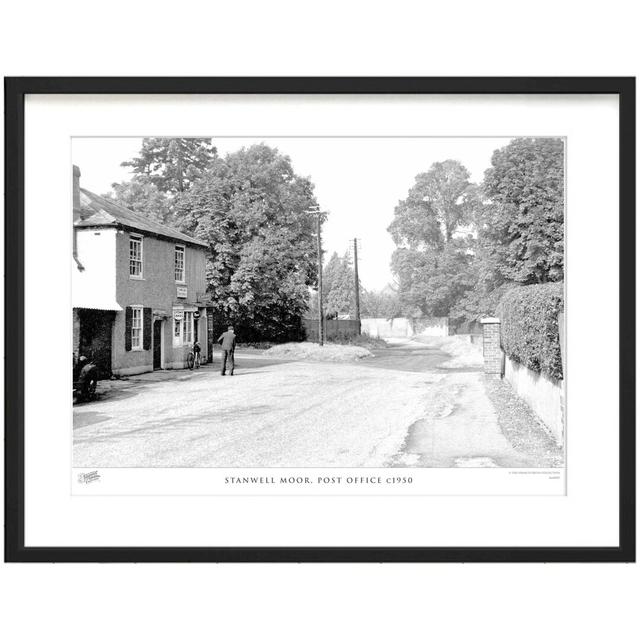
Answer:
x=465 y=38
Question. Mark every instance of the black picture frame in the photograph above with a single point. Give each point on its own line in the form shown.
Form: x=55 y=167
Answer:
x=15 y=91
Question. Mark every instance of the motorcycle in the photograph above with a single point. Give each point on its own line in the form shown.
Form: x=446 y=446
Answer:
x=85 y=380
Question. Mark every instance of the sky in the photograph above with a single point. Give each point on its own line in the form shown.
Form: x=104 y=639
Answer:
x=359 y=181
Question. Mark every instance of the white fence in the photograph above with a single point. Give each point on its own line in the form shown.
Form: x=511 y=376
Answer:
x=543 y=395
x=405 y=327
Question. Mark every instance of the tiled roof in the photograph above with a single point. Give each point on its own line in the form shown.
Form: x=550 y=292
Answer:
x=97 y=211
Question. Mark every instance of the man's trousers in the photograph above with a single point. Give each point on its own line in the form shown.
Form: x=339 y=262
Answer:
x=227 y=354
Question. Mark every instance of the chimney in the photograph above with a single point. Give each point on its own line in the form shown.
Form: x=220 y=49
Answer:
x=76 y=192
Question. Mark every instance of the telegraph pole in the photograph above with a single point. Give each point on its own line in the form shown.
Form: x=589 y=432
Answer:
x=320 y=310
x=357 y=283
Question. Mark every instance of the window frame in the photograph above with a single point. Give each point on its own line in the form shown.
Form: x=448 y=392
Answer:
x=176 y=340
x=177 y=249
x=187 y=316
x=187 y=323
x=136 y=237
x=137 y=309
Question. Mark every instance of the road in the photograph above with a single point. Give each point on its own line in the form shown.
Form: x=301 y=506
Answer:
x=400 y=408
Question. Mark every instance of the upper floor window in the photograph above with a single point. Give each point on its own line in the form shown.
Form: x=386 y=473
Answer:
x=179 y=263
x=135 y=256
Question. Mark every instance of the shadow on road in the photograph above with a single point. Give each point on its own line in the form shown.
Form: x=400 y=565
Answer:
x=407 y=356
x=87 y=418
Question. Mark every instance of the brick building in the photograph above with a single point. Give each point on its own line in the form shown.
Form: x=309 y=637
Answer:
x=138 y=288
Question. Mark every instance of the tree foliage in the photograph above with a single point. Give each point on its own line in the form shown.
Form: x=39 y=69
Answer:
x=254 y=213
x=339 y=287
x=431 y=282
x=439 y=202
x=522 y=227
x=380 y=304
x=143 y=196
x=163 y=169
x=432 y=263
x=172 y=164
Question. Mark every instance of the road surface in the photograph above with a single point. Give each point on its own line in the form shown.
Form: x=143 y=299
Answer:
x=400 y=408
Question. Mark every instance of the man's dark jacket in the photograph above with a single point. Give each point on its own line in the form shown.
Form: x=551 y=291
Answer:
x=228 y=341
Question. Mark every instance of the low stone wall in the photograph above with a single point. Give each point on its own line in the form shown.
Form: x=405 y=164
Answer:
x=431 y=327
x=543 y=395
x=475 y=339
x=405 y=327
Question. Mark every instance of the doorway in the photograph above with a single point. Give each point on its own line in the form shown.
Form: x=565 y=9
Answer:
x=157 y=345
x=95 y=338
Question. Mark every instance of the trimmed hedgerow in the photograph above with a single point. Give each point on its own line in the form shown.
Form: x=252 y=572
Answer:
x=529 y=326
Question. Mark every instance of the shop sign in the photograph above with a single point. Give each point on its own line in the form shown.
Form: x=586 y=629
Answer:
x=181 y=292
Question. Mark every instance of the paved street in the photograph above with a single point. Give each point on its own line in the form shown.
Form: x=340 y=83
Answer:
x=402 y=408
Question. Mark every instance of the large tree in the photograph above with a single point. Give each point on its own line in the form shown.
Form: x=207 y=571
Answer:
x=257 y=217
x=522 y=227
x=438 y=203
x=432 y=261
x=172 y=164
x=339 y=287
x=432 y=282
x=164 y=169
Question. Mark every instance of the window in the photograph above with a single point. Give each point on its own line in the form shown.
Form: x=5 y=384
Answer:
x=135 y=256
x=136 y=327
x=182 y=327
x=179 y=263
x=188 y=327
x=177 y=328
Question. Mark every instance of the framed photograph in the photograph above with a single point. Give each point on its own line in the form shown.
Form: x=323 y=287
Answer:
x=320 y=319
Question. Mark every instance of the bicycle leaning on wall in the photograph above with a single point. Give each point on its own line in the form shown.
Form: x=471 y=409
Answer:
x=194 y=358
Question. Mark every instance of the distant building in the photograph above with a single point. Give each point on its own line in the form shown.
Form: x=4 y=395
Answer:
x=138 y=288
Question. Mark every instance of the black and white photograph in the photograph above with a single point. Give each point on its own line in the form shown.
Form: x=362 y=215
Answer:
x=363 y=323
x=318 y=302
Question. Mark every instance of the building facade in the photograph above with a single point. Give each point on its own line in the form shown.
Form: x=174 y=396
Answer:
x=139 y=289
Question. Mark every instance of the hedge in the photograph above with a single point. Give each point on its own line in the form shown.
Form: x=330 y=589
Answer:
x=529 y=326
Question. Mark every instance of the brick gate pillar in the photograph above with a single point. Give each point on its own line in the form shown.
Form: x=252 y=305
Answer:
x=491 y=351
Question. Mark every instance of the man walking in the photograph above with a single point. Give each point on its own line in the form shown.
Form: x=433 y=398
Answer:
x=228 y=342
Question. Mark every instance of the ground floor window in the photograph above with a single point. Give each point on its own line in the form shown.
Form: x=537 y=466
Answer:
x=182 y=328
x=177 y=331
x=136 y=328
x=188 y=327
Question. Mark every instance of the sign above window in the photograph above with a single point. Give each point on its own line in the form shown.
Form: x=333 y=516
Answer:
x=181 y=292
